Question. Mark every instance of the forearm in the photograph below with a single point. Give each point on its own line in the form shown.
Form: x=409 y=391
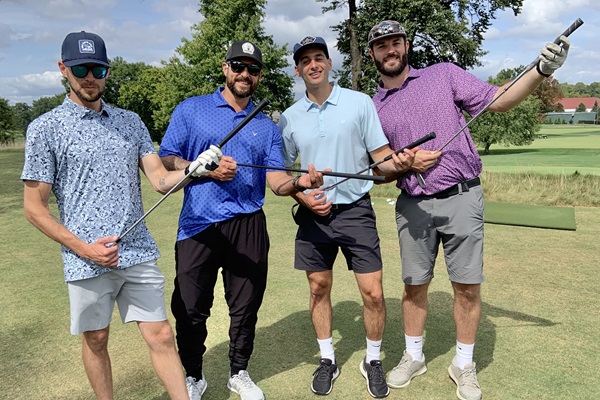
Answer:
x=517 y=92
x=282 y=184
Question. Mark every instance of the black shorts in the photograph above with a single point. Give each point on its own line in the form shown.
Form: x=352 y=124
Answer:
x=349 y=227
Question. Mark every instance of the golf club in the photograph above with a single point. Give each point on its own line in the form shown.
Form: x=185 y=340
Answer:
x=414 y=144
x=578 y=22
x=235 y=130
x=328 y=173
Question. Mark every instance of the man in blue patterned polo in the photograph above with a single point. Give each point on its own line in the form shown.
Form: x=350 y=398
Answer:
x=89 y=155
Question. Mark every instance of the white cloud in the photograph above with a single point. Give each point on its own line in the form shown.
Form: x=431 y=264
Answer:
x=26 y=88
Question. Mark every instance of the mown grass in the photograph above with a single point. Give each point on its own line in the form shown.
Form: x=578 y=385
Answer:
x=537 y=338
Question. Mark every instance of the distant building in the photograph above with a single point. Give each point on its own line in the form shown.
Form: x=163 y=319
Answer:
x=570 y=104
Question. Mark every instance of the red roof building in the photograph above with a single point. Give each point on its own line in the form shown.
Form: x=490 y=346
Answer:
x=571 y=103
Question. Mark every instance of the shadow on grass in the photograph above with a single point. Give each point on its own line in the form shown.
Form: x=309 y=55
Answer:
x=291 y=342
x=506 y=152
x=440 y=328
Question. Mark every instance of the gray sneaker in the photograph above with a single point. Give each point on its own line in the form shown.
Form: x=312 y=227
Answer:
x=195 y=388
x=242 y=384
x=406 y=369
x=467 y=386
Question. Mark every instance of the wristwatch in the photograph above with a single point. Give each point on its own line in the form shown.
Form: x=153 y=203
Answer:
x=296 y=186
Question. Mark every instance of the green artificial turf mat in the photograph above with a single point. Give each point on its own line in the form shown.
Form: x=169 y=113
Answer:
x=528 y=215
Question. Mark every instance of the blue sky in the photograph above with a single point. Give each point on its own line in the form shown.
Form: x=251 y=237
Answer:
x=31 y=32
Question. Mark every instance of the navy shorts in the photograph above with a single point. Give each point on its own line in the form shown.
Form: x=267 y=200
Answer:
x=349 y=227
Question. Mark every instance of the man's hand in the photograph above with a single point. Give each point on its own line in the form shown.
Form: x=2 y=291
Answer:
x=425 y=159
x=103 y=252
x=206 y=162
x=553 y=56
x=316 y=201
x=312 y=180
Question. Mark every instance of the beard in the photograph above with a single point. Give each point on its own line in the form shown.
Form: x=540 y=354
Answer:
x=85 y=96
x=392 y=72
x=241 y=94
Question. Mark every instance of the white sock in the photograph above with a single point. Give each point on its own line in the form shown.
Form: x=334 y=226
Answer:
x=373 y=350
x=464 y=355
x=414 y=346
x=326 y=347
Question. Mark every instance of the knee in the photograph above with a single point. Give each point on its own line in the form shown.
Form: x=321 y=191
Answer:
x=467 y=293
x=374 y=298
x=319 y=288
x=96 y=341
x=158 y=335
x=415 y=293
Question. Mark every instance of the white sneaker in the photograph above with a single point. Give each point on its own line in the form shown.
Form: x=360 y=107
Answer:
x=242 y=384
x=195 y=388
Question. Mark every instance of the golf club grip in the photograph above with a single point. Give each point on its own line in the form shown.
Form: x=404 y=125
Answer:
x=257 y=109
x=578 y=22
x=414 y=144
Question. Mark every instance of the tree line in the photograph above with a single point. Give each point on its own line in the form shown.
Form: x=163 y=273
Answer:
x=439 y=30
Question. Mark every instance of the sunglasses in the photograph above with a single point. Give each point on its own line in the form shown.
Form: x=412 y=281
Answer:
x=81 y=71
x=386 y=30
x=238 y=67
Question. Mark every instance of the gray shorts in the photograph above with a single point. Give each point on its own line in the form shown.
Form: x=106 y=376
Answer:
x=456 y=222
x=349 y=227
x=138 y=291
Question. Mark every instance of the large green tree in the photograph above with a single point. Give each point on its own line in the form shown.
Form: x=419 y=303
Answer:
x=7 y=123
x=198 y=69
x=439 y=31
x=517 y=127
x=21 y=116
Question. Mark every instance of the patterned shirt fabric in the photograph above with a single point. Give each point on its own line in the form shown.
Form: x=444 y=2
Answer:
x=91 y=160
x=197 y=123
x=336 y=135
x=432 y=99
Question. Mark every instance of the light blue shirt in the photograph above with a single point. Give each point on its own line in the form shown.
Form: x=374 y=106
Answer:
x=200 y=121
x=337 y=135
x=91 y=160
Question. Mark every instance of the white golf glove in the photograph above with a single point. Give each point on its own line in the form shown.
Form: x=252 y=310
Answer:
x=553 y=56
x=206 y=162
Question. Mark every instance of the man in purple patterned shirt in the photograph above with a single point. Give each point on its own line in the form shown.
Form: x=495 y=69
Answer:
x=446 y=205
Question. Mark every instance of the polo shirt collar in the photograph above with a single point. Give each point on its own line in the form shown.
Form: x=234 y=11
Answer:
x=82 y=111
x=333 y=99
x=221 y=102
x=413 y=73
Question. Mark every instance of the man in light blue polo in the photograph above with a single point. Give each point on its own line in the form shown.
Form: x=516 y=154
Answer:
x=337 y=128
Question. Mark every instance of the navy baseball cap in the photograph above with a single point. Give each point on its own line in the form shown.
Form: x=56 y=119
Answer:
x=385 y=29
x=82 y=48
x=244 y=49
x=307 y=42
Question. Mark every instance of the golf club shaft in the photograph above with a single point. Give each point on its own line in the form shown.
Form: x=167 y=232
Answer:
x=245 y=121
x=414 y=144
x=328 y=173
x=578 y=22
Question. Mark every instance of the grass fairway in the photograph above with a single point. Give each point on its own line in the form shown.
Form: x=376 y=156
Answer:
x=565 y=150
x=537 y=340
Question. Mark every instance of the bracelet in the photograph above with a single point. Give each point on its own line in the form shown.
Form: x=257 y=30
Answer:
x=296 y=186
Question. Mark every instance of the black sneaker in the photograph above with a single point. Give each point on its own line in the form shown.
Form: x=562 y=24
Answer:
x=323 y=377
x=375 y=376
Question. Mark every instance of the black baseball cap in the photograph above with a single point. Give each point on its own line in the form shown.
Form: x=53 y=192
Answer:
x=310 y=41
x=384 y=29
x=244 y=49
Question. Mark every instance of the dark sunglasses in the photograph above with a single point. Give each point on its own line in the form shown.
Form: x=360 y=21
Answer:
x=238 y=67
x=81 y=71
x=386 y=30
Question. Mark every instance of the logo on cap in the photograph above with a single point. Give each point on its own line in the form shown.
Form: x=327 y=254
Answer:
x=308 y=40
x=248 y=48
x=87 y=46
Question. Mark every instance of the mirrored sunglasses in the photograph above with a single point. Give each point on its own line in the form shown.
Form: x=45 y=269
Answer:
x=238 y=67
x=386 y=30
x=81 y=71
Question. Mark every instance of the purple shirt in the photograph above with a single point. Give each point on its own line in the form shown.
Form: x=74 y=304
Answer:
x=432 y=99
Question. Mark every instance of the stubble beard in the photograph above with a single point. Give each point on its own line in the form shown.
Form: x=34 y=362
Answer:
x=392 y=72
x=86 y=96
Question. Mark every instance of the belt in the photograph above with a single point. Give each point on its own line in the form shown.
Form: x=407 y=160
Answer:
x=454 y=190
x=349 y=205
